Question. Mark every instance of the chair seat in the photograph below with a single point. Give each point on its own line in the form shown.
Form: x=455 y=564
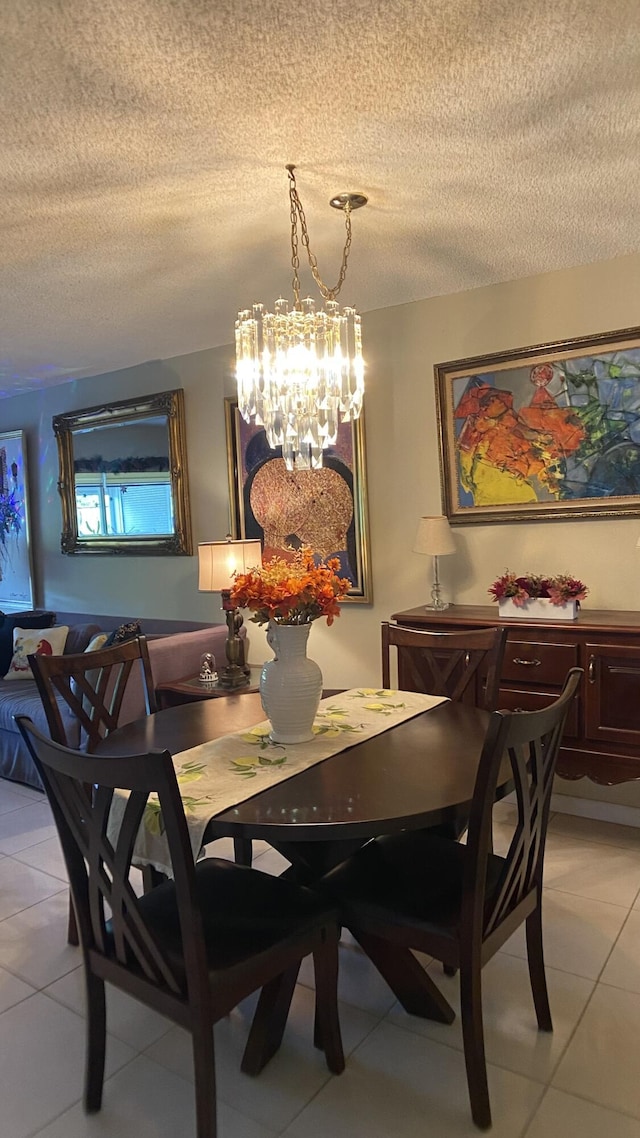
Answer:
x=412 y=879
x=244 y=912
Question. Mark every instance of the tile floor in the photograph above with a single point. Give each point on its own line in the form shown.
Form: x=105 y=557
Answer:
x=404 y=1077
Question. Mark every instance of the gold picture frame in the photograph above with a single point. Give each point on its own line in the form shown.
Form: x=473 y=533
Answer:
x=542 y=433
x=94 y=430
x=326 y=509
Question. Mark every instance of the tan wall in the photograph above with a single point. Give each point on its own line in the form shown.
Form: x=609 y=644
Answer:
x=402 y=344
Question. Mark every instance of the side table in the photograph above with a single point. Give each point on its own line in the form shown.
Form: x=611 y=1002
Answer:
x=190 y=689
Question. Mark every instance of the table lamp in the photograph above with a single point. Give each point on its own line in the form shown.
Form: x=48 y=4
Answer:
x=435 y=537
x=217 y=563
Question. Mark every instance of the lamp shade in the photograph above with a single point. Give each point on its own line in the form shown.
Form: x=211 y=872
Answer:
x=434 y=536
x=219 y=560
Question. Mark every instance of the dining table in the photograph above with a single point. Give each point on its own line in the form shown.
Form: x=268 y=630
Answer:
x=416 y=774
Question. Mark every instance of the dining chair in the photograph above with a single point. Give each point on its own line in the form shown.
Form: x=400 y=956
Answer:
x=85 y=690
x=195 y=946
x=91 y=686
x=88 y=689
x=460 y=903
x=463 y=665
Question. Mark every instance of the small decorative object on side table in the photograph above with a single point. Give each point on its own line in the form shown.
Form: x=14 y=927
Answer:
x=208 y=674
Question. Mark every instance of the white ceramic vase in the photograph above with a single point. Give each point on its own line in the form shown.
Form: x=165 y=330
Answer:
x=290 y=684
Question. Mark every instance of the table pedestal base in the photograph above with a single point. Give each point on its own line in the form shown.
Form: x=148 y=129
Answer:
x=407 y=978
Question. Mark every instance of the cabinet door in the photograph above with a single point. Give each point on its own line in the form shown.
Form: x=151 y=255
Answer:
x=612 y=693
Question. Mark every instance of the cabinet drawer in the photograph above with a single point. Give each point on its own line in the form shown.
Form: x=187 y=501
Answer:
x=531 y=662
x=511 y=699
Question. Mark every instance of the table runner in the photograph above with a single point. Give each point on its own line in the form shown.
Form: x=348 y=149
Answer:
x=219 y=774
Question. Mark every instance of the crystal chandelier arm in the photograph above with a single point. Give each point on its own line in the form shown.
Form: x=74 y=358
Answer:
x=296 y=211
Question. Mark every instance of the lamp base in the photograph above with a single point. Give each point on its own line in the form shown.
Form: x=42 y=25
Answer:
x=437 y=603
x=237 y=673
x=232 y=677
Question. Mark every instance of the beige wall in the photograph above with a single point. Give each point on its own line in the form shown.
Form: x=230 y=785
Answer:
x=402 y=344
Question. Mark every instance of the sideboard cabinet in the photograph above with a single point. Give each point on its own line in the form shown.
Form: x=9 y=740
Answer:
x=602 y=737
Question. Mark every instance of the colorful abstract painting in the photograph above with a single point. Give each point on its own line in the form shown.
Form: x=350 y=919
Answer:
x=547 y=431
x=325 y=509
x=15 y=561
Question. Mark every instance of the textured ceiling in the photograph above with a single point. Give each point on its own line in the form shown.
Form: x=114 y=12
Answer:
x=143 y=196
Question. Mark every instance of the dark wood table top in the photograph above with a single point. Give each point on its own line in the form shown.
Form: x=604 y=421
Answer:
x=415 y=774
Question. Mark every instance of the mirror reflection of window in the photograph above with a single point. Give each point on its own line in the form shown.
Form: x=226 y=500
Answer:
x=117 y=505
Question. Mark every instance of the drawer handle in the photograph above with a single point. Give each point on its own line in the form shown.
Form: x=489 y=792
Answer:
x=527 y=663
x=591 y=670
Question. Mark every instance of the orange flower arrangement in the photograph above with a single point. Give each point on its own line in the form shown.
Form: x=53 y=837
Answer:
x=291 y=592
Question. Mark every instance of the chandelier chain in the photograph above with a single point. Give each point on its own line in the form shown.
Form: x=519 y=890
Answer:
x=297 y=212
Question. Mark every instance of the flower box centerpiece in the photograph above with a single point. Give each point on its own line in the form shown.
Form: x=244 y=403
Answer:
x=289 y=595
x=537 y=597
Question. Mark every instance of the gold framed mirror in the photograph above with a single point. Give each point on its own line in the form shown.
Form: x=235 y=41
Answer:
x=123 y=477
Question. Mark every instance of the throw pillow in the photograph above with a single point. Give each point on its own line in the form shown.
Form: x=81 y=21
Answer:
x=124 y=632
x=34 y=641
x=97 y=642
x=21 y=620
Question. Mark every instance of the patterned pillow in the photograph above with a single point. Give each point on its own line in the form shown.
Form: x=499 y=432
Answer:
x=124 y=632
x=36 y=641
x=97 y=642
x=10 y=621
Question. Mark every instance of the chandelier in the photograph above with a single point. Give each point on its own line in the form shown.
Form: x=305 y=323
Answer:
x=300 y=370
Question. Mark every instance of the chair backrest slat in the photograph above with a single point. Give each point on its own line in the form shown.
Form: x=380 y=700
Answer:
x=92 y=685
x=465 y=665
x=529 y=742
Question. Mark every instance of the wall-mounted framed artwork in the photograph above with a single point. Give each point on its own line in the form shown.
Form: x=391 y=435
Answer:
x=16 y=577
x=325 y=509
x=550 y=431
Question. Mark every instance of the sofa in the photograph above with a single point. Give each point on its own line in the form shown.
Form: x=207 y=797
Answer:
x=172 y=655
